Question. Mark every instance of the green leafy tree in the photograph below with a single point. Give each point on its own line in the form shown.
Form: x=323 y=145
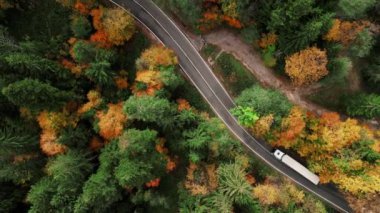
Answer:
x=264 y=101
x=245 y=115
x=355 y=8
x=364 y=149
x=36 y=95
x=170 y=78
x=366 y=105
x=81 y=26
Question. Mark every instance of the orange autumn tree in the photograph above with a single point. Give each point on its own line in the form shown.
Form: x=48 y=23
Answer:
x=292 y=127
x=113 y=25
x=267 y=39
x=327 y=142
x=148 y=78
x=183 y=104
x=201 y=179
x=218 y=12
x=51 y=123
x=111 y=123
x=94 y=100
x=345 y=31
x=160 y=148
x=316 y=137
x=306 y=66
x=151 y=79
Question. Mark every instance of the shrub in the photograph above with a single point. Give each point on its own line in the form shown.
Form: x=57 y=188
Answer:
x=81 y=27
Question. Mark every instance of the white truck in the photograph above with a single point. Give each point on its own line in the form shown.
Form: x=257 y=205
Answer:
x=296 y=166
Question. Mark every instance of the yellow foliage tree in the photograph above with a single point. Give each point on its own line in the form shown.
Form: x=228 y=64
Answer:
x=267 y=194
x=151 y=79
x=275 y=191
x=306 y=66
x=262 y=126
x=155 y=56
x=118 y=25
x=111 y=123
x=229 y=8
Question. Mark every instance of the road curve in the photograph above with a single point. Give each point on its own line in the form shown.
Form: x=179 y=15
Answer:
x=197 y=70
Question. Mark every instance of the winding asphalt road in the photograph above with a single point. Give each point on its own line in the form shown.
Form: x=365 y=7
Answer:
x=196 y=69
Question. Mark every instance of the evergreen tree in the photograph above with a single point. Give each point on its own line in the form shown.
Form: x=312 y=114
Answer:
x=233 y=184
x=60 y=189
x=36 y=95
x=141 y=162
x=92 y=198
x=339 y=69
x=366 y=105
x=20 y=161
x=355 y=8
x=101 y=73
x=150 y=109
x=297 y=22
x=35 y=66
x=80 y=26
x=85 y=52
x=363 y=44
x=372 y=72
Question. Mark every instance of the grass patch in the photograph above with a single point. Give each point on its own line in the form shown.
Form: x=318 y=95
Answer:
x=210 y=50
x=193 y=96
x=235 y=76
x=329 y=98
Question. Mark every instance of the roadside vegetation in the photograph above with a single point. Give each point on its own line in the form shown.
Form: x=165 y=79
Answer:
x=332 y=47
x=96 y=118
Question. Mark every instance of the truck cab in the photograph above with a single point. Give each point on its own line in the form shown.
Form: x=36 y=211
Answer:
x=278 y=154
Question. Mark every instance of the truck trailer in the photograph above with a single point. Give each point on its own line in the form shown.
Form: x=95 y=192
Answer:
x=286 y=159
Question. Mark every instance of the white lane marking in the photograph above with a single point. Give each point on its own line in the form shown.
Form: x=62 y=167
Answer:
x=221 y=117
x=188 y=41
